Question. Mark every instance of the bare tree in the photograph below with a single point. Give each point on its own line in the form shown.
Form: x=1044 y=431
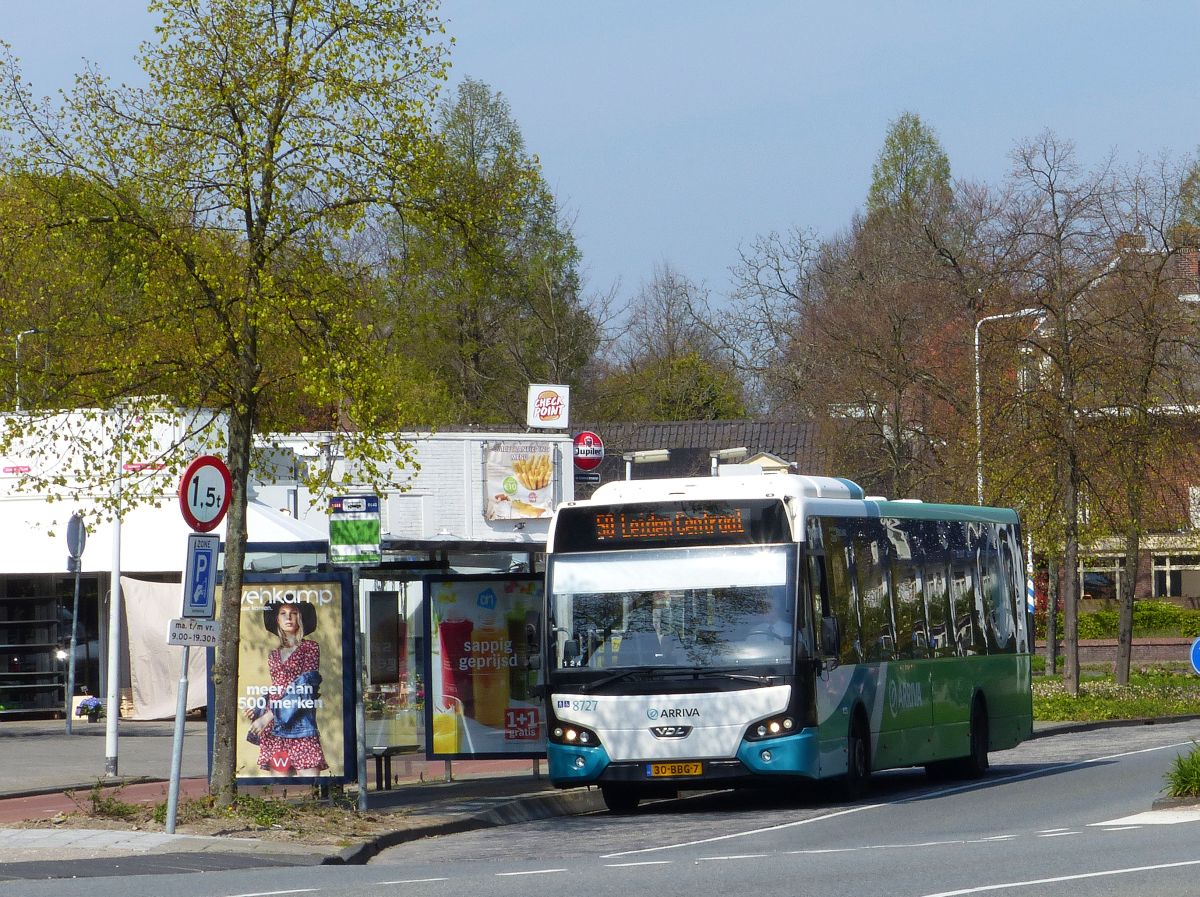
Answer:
x=1058 y=216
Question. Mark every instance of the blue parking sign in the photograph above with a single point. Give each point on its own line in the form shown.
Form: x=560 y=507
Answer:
x=200 y=575
x=1196 y=655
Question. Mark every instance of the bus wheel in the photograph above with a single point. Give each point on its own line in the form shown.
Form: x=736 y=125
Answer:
x=858 y=761
x=619 y=800
x=975 y=764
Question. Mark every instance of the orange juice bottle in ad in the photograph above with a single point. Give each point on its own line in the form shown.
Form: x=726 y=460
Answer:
x=489 y=681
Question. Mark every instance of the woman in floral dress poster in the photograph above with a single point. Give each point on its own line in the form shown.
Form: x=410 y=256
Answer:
x=289 y=743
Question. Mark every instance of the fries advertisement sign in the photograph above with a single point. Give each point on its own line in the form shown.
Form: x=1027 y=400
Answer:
x=519 y=480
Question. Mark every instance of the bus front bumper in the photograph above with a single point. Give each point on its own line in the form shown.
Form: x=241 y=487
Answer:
x=791 y=755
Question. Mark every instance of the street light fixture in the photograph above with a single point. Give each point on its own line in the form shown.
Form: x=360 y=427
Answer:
x=727 y=455
x=1020 y=313
x=648 y=456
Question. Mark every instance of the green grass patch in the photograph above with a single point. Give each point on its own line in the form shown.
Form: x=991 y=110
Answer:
x=1152 y=692
x=1183 y=778
x=104 y=801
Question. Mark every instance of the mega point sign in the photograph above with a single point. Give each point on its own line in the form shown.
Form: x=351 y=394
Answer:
x=589 y=450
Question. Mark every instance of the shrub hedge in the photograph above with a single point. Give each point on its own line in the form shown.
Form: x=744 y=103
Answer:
x=1150 y=618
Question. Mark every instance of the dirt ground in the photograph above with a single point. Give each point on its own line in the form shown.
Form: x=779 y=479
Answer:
x=326 y=824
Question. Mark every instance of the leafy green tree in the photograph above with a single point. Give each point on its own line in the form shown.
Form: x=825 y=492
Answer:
x=912 y=169
x=486 y=274
x=268 y=135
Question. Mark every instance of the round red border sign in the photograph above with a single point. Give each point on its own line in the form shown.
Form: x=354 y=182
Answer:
x=204 y=493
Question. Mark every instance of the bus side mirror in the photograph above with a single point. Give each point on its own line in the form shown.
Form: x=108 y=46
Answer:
x=831 y=638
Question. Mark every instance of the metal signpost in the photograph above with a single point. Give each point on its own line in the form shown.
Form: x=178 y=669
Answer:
x=76 y=539
x=354 y=532
x=204 y=494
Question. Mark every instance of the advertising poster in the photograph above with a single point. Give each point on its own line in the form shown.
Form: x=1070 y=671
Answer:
x=295 y=679
x=483 y=672
x=519 y=480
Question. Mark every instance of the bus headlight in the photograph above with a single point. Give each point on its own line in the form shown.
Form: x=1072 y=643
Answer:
x=772 y=727
x=576 y=736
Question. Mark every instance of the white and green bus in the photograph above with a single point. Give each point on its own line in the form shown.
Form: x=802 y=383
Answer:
x=739 y=630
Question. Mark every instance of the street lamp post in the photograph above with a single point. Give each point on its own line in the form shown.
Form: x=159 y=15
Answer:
x=1020 y=313
x=17 y=362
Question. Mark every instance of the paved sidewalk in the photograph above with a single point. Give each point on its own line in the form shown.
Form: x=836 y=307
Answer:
x=40 y=763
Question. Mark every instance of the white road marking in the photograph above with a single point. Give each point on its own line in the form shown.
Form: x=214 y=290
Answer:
x=640 y=863
x=924 y=796
x=530 y=872
x=1120 y=828
x=1059 y=834
x=412 y=881
x=757 y=831
x=1158 y=817
x=736 y=856
x=273 y=893
x=1061 y=878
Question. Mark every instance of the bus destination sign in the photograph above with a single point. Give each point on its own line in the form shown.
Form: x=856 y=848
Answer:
x=673 y=523
x=631 y=525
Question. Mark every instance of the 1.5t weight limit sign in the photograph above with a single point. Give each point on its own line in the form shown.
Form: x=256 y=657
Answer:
x=204 y=493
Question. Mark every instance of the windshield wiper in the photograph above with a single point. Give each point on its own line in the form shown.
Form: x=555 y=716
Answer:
x=734 y=673
x=650 y=672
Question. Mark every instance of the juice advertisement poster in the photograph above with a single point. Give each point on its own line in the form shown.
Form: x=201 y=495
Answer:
x=295 y=679
x=484 y=633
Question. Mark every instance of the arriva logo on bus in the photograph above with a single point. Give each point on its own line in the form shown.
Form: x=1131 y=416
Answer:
x=672 y=712
x=904 y=696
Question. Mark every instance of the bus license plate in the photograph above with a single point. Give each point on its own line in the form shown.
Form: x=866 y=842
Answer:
x=668 y=770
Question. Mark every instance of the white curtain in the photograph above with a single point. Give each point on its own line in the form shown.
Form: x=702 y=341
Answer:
x=154 y=666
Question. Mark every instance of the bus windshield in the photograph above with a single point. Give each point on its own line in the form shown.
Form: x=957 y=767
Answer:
x=692 y=609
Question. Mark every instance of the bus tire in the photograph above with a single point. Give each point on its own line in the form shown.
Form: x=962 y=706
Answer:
x=620 y=800
x=976 y=763
x=858 y=760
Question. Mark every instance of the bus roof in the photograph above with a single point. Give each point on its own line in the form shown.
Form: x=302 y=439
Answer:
x=831 y=496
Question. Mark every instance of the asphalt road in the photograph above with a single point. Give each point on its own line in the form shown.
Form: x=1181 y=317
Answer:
x=1070 y=814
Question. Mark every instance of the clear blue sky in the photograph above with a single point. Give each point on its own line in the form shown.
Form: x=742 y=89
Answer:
x=675 y=130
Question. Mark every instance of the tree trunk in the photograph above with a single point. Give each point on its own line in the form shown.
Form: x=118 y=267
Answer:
x=223 y=786
x=1052 y=616
x=1071 y=579
x=1125 y=620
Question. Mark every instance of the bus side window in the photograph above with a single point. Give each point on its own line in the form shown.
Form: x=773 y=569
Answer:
x=827 y=632
x=841 y=595
x=910 y=611
x=937 y=604
x=870 y=565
